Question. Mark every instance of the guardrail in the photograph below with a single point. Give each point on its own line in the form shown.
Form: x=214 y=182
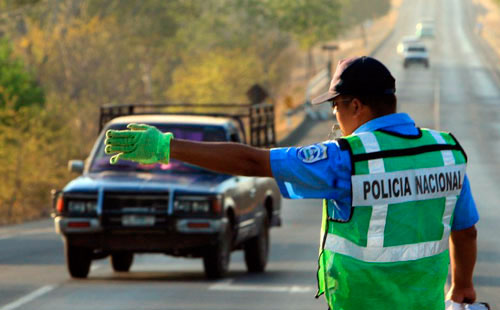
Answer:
x=318 y=84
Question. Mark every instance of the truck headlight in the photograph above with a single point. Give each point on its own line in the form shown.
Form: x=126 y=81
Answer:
x=192 y=205
x=82 y=206
x=182 y=206
x=201 y=206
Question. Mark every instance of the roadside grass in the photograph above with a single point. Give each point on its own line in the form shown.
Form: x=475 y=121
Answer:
x=488 y=23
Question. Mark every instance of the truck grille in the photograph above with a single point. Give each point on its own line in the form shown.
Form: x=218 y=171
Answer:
x=134 y=210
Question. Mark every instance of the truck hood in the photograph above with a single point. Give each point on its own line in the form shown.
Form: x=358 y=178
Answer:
x=133 y=181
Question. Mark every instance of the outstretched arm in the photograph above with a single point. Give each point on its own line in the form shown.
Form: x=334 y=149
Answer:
x=225 y=157
x=463 y=252
x=147 y=145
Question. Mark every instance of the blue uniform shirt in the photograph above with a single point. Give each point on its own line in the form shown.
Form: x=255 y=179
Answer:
x=324 y=172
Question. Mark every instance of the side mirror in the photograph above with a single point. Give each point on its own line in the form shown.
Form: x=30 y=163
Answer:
x=234 y=137
x=55 y=194
x=76 y=166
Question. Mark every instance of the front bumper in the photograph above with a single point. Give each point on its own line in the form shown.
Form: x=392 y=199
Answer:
x=416 y=60
x=185 y=237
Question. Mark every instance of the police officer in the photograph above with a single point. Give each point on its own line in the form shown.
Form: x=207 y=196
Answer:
x=397 y=202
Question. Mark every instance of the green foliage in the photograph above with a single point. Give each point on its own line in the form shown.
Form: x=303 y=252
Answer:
x=33 y=151
x=218 y=76
x=152 y=21
x=17 y=85
x=13 y=4
x=246 y=26
x=309 y=21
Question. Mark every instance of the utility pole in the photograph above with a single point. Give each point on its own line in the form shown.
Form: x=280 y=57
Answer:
x=330 y=48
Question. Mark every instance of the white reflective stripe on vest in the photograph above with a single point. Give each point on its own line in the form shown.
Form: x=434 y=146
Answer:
x=369 y=141
x=448 y=157
x=391 y=254
x=451 y=201
x=375 y=237
x=448 y=212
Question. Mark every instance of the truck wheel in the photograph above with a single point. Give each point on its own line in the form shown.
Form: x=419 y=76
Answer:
x=121 y=261
x=216 y=260
x=257 y=249
x=78 y=261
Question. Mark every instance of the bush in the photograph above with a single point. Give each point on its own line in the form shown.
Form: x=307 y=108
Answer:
x=221 y=76
x=33 y=155
x=17 y=85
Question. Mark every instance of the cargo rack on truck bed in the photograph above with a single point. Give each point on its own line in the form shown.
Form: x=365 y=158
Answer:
x=259 y=117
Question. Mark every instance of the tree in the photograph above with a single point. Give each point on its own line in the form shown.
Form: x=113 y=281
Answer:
x=17 y=3
x=243 y=25
x=34 y=149
x=309 y=21
x=17 y=85
x=356 y=12
x=221 y=76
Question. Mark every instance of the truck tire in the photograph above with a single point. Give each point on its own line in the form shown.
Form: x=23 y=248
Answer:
x=78 y=260
x=257 y=249
x=216 y=259
x=121 y=261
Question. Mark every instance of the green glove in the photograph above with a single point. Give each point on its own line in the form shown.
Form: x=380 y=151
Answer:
x=142 y=143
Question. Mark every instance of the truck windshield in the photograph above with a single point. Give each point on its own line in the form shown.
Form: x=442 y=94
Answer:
x=100 y=161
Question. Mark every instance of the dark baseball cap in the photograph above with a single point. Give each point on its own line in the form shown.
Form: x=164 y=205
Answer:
x=359 y=76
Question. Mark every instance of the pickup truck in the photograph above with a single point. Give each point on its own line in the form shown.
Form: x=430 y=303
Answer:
x=176 y=209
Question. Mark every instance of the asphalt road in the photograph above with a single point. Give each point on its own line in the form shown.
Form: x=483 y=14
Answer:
x=458 y=93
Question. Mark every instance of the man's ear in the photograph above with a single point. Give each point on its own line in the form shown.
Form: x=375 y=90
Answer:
x=357 y=107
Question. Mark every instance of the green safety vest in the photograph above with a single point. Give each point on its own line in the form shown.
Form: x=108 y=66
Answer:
x=393 y=252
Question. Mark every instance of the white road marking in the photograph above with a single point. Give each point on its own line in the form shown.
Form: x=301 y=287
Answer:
x=28 y=298
x=228 y=286
x=301 y=289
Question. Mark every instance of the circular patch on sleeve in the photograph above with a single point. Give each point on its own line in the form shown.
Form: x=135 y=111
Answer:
x=312 y=153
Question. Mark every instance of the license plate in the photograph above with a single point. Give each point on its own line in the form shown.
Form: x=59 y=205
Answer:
x=138 y=220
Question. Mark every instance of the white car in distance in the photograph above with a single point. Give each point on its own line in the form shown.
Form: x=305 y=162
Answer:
x=405 y=42
x=425 y=29
x=416 y=53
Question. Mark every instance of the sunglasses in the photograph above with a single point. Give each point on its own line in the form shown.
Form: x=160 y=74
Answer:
x=335 y=103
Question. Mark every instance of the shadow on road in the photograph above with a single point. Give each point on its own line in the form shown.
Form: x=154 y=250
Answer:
x=238 y=277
